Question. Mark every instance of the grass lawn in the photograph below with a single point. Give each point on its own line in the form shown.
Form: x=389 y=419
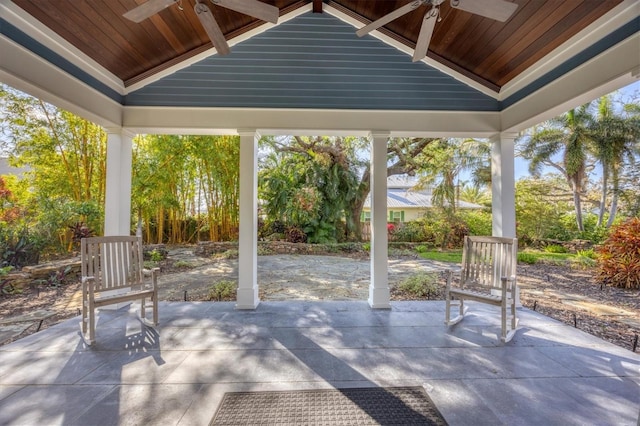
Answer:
x=524 y=256
x=453 y=256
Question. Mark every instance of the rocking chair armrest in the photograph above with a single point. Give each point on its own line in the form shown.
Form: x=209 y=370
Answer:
x=88 y=284
x=449 y=274
x=505 y=283
x=154 y=277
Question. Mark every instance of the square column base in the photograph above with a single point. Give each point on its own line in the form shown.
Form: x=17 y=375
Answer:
x=379 y=298
x=247 y=298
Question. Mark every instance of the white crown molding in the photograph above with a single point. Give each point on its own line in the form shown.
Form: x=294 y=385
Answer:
x=605 y=25
x=203 y=55
x=36 y=30
x=405 y=49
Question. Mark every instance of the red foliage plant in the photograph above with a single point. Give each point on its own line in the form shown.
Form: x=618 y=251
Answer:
x=619 y=256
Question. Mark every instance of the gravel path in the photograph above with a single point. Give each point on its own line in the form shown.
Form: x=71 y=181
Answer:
x=292 y=277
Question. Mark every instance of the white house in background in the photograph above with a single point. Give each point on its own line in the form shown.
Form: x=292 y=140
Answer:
x=406 y=203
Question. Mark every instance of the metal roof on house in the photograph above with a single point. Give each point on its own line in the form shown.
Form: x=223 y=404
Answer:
x=401 y=198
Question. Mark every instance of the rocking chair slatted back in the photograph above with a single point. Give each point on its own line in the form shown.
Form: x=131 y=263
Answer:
x=486 y=259
x=114 y=262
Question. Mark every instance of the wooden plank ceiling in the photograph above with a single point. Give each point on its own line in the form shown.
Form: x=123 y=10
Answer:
x=489 y=52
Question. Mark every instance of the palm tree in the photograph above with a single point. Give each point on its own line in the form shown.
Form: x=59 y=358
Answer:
x=475 y=193
x=443 y=163
x=615 y=137
x=567 y=136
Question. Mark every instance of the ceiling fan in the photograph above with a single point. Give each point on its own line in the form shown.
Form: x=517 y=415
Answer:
x=254 y=8
x=500 y=10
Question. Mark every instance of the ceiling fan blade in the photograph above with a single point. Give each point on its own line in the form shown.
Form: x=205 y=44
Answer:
x=212 y=28
x=390 y=17
x=255 y=8
x=499 y=10
x=147 y=9
x=426 y=32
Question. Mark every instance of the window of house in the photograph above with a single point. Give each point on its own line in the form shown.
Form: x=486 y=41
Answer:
x=396 y=217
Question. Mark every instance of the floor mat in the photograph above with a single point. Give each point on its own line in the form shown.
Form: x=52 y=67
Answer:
x=349 y=406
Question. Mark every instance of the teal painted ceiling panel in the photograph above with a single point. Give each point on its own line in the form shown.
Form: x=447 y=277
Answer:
x=313 y=61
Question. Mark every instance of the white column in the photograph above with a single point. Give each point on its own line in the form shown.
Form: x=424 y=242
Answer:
x=503 y=189
x=117 y=203
x=379 y=295
x=117 y=208
x=247 y=297
x=503 y=200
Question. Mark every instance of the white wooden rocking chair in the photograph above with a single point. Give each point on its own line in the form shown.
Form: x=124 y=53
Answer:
x=488 y=275
x=113 y=272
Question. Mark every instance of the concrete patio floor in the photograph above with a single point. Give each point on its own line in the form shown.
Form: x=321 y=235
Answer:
x=548 y=374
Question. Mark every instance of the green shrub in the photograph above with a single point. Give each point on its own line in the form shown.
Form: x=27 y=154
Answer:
x=422 y=248
x=183 y=264
x=590 y=253
x=409 y=232
x=555 y=248
x=619 y=256
x=19 y=248
x=366 y=246
x=528 y=258
x=155 y=255
x=222 y=290
x=592 y=232
x=421 y=284
x=479 y=222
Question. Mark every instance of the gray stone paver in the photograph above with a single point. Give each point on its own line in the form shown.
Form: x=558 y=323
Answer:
x=177 y=374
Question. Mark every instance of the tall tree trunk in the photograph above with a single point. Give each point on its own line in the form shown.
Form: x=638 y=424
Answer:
x=603 y=197
x=614 y=209
x=578 y=206
x=355 y=209
x=614 y=199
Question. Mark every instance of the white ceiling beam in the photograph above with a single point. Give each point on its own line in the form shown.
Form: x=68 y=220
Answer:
x=161 y=120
